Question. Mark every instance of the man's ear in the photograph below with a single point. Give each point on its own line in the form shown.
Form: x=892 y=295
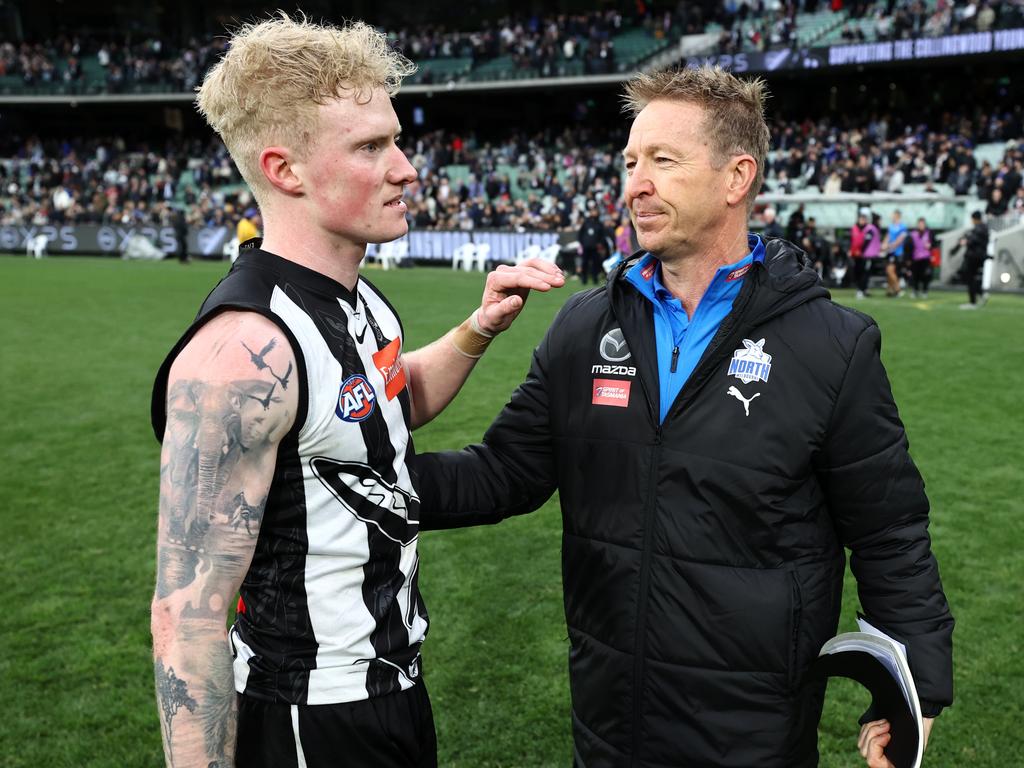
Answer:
x=742 y=171
x=277 y=166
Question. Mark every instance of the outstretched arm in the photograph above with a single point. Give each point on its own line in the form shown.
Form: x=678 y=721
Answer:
x=437 y=372
x=226 y=413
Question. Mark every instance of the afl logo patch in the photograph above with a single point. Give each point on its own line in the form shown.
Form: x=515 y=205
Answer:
x=613 y=346
x=356 y=399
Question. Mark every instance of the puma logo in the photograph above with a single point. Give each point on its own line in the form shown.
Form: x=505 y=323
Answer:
x=746 y=403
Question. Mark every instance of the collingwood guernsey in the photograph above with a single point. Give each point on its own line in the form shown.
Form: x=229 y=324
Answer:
x=330 y=608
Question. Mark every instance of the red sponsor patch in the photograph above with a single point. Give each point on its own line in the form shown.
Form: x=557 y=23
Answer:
x=736 y=274
x=389 y=362
x=648 y=271
x=614 y=392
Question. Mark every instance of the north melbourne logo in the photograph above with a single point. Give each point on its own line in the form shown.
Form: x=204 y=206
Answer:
x=613 y=346
x=751 y=363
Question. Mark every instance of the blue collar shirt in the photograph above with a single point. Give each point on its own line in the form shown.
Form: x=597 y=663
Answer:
x=681 y=340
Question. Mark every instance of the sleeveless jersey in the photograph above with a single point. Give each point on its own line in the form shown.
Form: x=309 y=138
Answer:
x=330 y=608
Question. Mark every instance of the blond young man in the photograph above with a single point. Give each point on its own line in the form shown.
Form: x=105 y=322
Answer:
x=285 y=412
x=718 y=431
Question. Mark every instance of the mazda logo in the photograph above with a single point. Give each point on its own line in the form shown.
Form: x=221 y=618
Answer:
x=613 y=346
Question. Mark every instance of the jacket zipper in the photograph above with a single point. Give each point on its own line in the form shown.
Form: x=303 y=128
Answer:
x=727 y=333
x=641 y=621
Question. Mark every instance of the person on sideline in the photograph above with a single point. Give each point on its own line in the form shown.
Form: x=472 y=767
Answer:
x=975 y=245
x=893 y=247
x=719 y=431
x=285 y=413
x=921 y=241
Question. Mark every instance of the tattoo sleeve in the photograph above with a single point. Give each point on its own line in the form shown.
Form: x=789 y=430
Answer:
x=217 y=463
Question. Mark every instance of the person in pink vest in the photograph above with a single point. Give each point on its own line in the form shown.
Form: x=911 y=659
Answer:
x=865 y=245
x=921 y=241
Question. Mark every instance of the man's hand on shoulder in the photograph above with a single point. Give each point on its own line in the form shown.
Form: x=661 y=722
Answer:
x=506 y=290
x=232 y=395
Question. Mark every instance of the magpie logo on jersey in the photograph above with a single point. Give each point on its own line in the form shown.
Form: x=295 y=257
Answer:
x=613 y=347
x=371 y=498
x=356 y=400
x=751 y=363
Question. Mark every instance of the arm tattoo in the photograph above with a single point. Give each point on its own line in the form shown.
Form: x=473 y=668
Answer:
x=218 y=714
x=220 y=440
x=172 y=693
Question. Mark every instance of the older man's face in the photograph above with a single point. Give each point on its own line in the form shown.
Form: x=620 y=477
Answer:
x=675 y=196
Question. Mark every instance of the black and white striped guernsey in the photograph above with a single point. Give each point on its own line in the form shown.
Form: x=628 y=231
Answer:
x=332 y=608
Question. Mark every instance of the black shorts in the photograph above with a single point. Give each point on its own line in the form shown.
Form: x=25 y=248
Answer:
x=394 y=731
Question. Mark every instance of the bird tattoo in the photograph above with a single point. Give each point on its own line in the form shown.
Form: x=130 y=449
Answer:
x=259 y=360
x=283 y=380
x=266 y=401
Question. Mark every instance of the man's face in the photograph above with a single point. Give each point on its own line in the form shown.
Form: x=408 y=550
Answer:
x=355 y=173
x=675 y=197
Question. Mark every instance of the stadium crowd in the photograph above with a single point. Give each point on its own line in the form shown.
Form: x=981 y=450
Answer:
x=765 y=25
x=149 y=62
x=532 y=41
x=542 y=181
x=535 y=42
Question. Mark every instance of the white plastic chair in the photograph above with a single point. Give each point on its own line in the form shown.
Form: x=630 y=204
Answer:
x=551 y=253
x=529 y=252
x=385 y=253
x=483 y=254
x=230 y=249
x=611 y=262
x=463 y=256
x=36 y=246
x=393 y=255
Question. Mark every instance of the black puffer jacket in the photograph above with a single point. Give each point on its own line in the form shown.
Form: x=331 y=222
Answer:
x=703 y=558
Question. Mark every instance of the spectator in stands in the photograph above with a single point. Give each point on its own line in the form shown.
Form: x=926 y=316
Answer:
x=625 y=236
x=772 y=228
x=248 y=225
x=1017 y=206
x=997 y=205
x=962 y=180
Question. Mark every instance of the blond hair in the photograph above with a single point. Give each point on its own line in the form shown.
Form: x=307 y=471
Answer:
x=269 y=85
x=733 y=111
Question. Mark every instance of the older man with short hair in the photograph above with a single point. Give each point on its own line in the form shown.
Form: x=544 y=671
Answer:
x=719 y=432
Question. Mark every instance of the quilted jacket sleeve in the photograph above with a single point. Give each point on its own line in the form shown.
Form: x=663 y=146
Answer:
x=877 y=500
x=510 y=473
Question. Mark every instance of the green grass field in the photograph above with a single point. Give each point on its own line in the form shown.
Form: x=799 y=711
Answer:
x=82 y=339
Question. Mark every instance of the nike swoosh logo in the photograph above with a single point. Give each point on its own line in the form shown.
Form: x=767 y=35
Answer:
x=361 y=336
